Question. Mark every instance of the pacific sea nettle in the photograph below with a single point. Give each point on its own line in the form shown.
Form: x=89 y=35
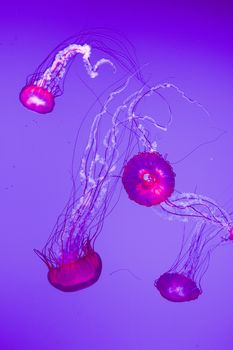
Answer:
x=148 y=179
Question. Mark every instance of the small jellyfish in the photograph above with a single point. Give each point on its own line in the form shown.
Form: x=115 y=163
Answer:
x=177 y=287
x=37 y=98
x=46 y=83
x=148 y=178
x=182 y=282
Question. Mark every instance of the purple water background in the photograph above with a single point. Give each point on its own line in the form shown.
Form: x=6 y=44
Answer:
x=191 y=44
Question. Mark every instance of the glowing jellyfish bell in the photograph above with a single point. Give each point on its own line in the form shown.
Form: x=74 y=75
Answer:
x=177 y=287
x=148 y=178
x=37 y=98
x=76 y=273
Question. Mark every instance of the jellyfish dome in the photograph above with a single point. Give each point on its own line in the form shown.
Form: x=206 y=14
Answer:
x=37 y=99
x=77 y=274
x=177 y=287
x=148 y=178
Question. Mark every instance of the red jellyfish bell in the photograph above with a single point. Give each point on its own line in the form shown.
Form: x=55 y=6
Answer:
x=37 y=99
x=75 y=269
x=148 y=178
x=77 y=274
x=177 y=287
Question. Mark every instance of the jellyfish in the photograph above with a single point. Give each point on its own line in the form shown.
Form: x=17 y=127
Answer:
x=46 y=83
x=69 y=253
x=43 y=87
x=177 y=287
x=148 y=178
x=182 y=282
x=73 y=264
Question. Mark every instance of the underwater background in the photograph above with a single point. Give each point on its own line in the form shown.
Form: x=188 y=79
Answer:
x=187 y=43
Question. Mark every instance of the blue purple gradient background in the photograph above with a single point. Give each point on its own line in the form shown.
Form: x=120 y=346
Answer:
x=192 y=44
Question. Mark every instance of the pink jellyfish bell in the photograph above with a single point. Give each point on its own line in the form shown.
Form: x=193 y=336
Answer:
x=148 y=178
x=37 y=99
x=76 y=274
x=177 y=287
